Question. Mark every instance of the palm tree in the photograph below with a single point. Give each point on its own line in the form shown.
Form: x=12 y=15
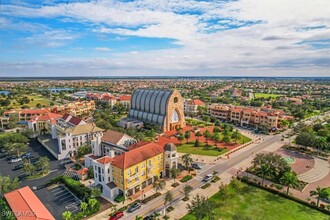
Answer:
x=174 y=173
x=43 y=164
x=7 y=184
x=187 y=160
x=159 y=185
x=67 y=215
x=235 y=135
x=18 y=147
x=264 y=171
x=29 y=169
x=289 y=179
x=138 y=217
x=83 y=206
x=319 y=193
x=321 y=144
x=168 y=197
x=186 y=190
x=156 y=215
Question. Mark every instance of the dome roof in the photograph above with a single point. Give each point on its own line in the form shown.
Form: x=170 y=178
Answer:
x=170 y=147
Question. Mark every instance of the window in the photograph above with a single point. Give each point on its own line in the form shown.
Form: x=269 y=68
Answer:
x=149 y=163
x=121 y=173
x=129 y=172
x=102 y=170
x=143 y=165
x=108 y=170
x=136 y=169
x=108 y=179
x=175 y=100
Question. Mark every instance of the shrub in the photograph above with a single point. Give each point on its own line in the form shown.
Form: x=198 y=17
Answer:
x=119 y=198
x=206 y=185
x=169 y=209
x=185 y=199
x=186 y=178
x=122 y=209
x=215 y=179
x=175 y=184
x=322 y=206
x=313 y=203
x=153 y=196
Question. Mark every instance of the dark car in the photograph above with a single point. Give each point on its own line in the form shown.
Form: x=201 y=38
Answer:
x=10 y=157
x=196 y=166
x=19 y=166
x=116 y=216
x=134 y=207
x=149 y=217
x=22 y=176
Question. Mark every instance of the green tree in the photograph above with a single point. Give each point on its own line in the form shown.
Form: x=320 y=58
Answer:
x=180 y=137
x=159 y=185
x=217 y=123
x=168 y=198
x=207 y=135
x=187 y=135
x=306 y=139
x=235 y=135
x=29 y=169
x=186 y=191
x=67 y=215
x=174 y=173
x=200 y=207
x=83 y=207
x=95 y=192
x=198 y=134
x=7 y=184
x=138 y=217
x=289 y=179
x=319 y=193
x=187 y=160
x=216 y=137
x=322 y=144
x=43 y=164
x=236 y=184
x=226 y=139
x=216 y=129
x=92 y=203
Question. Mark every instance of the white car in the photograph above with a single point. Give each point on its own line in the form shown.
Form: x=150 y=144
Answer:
x=208 y=177
x=15 y=160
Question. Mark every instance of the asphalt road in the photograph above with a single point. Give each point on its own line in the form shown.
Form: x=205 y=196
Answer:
x=158 y=204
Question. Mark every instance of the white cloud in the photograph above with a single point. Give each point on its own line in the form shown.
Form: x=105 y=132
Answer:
x=207 y=45
x=104 y=49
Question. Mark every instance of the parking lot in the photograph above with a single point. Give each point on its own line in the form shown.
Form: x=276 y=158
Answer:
x=58 y=199
x=37 y=150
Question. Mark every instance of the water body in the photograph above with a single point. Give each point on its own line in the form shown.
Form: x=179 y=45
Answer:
x=4 y=92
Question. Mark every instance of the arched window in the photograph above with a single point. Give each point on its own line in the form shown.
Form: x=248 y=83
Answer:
x=175 y=100
x=175 y=116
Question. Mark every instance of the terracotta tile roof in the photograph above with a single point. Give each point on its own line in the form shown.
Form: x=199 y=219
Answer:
x=137 y=155
x=112 y=136
x=197 y=102
x=236 y=109
x=138 y=144
x=65 y=116
x=48 y=117
x=23 y=200
x=125 y=98
x=105 y=160
x=82 y=171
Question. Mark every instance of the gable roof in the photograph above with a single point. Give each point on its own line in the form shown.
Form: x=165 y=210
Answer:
x=137 y=155
x=197 y=102
x=105 y=160
x=24 y=201
x=84 y=129
x=113 y=136
x=48 y=117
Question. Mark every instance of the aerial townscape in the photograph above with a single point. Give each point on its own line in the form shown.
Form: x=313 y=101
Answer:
x=151 y=110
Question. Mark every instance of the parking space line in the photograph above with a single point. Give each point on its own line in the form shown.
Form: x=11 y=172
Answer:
x=64 y=198
x=69 y=201
x=56 y=189
x=64 y=194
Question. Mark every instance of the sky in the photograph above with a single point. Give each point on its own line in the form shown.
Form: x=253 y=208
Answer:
x=164 y=38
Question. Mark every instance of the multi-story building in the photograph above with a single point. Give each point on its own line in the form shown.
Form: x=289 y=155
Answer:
x=191 y=106
x=109 y=99
x=78 y=109
x=67 y=134
x=160 y=108
x=247 y=116
x=39 y=124
x=22 y=115
x=133 y=170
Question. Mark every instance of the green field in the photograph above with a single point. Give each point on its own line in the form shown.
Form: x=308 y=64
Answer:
x=34 y=100
x=258 y=204
x=266 y=95
x=196 y=122
x=201 y=150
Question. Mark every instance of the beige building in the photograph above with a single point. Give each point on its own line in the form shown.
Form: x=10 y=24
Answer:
x=78 y=109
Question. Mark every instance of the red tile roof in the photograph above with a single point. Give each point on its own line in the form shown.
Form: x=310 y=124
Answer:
x=112 y=136
x=24 y=202
x=197 y=102
x=75 y=120
x=137 y=155
x=125 y=98
x=138 y=144
x=105 y=160
x=48 y=117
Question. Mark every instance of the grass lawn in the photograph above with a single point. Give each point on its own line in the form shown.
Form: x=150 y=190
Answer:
x=266 y=95
x=196 y=122
x=32 y=104
x=255 y=203
x=201 y=150
x=243 y=139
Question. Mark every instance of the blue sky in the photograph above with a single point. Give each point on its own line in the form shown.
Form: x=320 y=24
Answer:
x=172 y=37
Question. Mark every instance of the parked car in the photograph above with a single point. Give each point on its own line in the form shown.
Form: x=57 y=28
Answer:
x=134 y=207
x=15 y=160
x=208 y=177
x=116 y=216
x=149 y=217
x=10 y=157
x=196 y=166
x=27 y=156
x=19 y=166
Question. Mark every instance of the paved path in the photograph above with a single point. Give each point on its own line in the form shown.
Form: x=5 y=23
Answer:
x=318 y=172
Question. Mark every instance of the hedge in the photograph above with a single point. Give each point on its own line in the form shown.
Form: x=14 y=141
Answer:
x=186 y=178
x=119 y=198
x=206 y=185
x=153 y=196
